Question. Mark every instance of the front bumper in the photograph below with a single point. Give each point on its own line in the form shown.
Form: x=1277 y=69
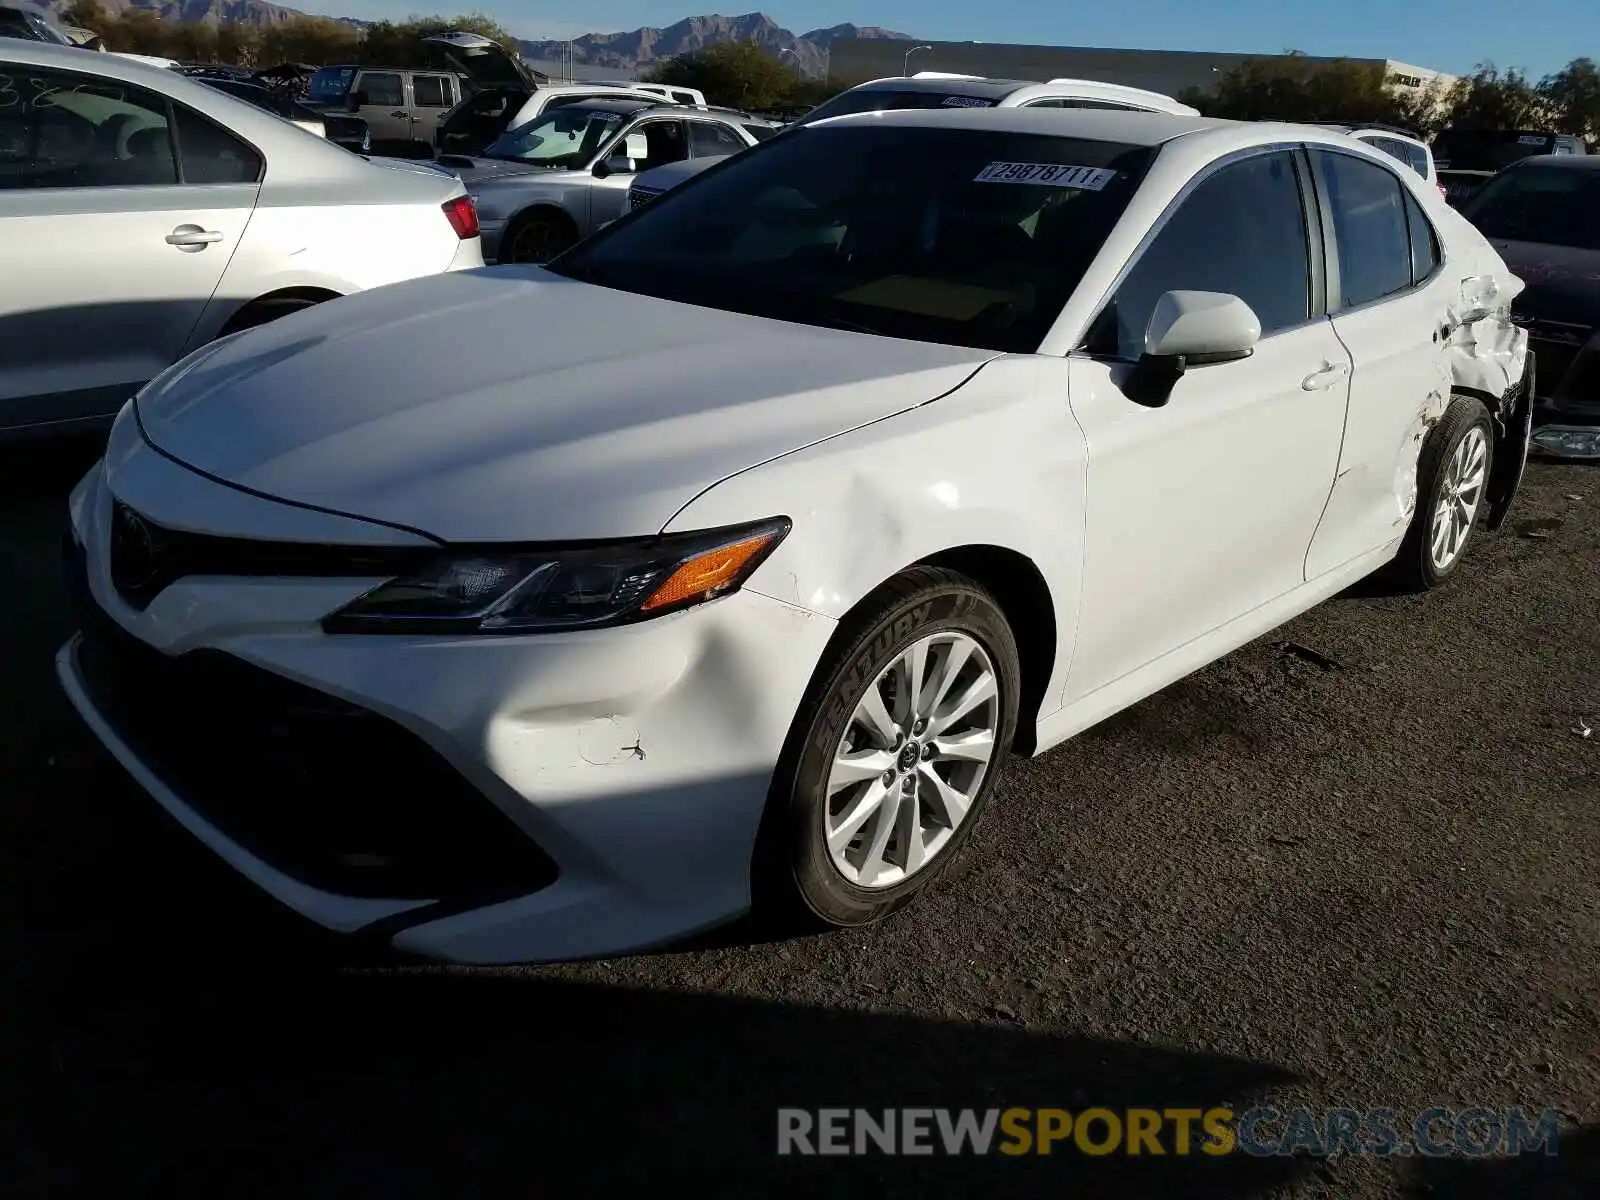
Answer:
x=472 y=799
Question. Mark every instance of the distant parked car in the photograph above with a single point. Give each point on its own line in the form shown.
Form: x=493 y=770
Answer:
x=1406 y=146
x=474 y=124
x=404 y=106
x=1543 y=216
x=1467 y=158
x=542 y=186
x=30 y=23
x=145 y=214
x=938 y=89
x=340 y=128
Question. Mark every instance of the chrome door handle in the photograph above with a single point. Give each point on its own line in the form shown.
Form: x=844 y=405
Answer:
x=1326 y=377
x=192 y=237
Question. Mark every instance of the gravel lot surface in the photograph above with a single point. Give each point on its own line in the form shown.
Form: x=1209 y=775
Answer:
x=1353 y=864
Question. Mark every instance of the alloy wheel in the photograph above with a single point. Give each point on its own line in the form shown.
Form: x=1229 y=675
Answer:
x=913 y=756
x=1460 y=492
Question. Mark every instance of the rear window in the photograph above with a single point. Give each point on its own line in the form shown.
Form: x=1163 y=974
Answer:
x=884 y=100
x=760 y=132
x=1557 y=206
x=940 y=235
x=329 y=85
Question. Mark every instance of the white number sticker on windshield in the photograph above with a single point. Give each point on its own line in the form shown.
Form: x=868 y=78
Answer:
x=966 y=102
x=1089 y=179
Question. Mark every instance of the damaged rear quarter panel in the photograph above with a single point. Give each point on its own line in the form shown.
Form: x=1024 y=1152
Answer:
x=999 y=462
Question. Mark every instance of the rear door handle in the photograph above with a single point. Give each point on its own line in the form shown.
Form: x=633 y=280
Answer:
x=1324 y=378
x=192 y=237
x=400 y=112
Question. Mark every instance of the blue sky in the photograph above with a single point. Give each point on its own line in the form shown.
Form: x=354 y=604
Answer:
x=1446 y=35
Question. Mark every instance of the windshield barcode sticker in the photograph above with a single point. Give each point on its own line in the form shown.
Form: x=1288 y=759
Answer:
x=965 y=102
x=1089 y=179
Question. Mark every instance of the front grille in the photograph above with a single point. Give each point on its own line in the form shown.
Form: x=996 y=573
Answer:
x=330 y=793
x=638 y=197
x=147 y=557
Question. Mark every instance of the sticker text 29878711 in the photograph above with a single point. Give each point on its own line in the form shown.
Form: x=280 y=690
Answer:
x=1089 y=179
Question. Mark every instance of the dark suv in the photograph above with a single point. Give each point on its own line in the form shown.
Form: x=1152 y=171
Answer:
x=1467 y=158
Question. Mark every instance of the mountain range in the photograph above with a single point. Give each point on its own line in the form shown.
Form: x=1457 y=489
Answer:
x=623 y=51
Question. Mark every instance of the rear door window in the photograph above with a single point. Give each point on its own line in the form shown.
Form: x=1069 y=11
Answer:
x=1367 y=204
x=61 y=130
x=712 y=139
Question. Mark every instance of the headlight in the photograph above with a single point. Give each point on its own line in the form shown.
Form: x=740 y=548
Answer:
x=583 y=587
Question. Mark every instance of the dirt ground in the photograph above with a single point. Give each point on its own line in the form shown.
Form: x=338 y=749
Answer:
x=1354 y=864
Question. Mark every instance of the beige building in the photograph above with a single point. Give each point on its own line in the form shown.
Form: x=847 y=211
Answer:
x=1167 y=71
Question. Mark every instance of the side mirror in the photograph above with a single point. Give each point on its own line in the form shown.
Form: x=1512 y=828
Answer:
x=635 y=147
x=1190 y=329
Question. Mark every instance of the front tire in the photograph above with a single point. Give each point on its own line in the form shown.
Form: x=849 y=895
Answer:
x=894 y=752
x=538 y=236
x=1452 y=477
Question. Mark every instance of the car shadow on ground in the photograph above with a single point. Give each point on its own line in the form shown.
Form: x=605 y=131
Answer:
x=1571 y=1173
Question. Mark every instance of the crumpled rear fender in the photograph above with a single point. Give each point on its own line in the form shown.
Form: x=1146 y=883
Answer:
x=1489 y=360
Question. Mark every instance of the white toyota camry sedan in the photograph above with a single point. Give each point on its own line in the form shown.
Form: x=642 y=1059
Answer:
x=530 y=613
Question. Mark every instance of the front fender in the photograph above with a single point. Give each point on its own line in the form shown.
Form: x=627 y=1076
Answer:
x=997 y=463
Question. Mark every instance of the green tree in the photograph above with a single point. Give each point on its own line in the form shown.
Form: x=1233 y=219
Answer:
x=1492 y=99
x=1292 y=88
x=88 y=14
x=1573 y=97
x=740 y=74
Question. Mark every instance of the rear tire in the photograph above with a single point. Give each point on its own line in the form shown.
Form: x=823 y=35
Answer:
x=879 y=789
x=1452 y=478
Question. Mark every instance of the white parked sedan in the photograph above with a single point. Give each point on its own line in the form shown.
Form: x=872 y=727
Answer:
x=540 y=612
x=143 y=214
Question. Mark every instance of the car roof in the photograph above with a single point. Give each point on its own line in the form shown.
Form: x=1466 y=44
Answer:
x=580 y=86
x=616 y=104
x=972 y=85
x=1100 y=125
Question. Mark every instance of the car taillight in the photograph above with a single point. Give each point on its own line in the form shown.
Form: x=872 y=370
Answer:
x=462 y=214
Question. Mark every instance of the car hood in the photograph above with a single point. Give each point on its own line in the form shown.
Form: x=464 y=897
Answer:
x=511 y=404
x=481 y=170
x=659 y=179
x=1563 y=282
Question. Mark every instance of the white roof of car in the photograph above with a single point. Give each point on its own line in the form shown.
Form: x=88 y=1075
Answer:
x=1021 y=91
x=1206 y=137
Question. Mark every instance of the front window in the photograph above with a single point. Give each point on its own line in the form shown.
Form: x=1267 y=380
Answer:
x=329 y=85
x=567 y=138
x=1558 y=206
x=938 y=235
x=887 y=100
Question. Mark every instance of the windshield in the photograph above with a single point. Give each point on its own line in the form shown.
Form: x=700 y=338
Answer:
x=329 y=85
x=569 y=136
x=957 y=236
x=1558 y=206
x=883 y=100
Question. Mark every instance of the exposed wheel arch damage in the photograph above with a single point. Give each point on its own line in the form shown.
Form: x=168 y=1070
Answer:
x=1019 y=589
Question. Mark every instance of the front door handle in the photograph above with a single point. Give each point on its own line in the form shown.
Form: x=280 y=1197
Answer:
x=1325 y=377
x=192 y=237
